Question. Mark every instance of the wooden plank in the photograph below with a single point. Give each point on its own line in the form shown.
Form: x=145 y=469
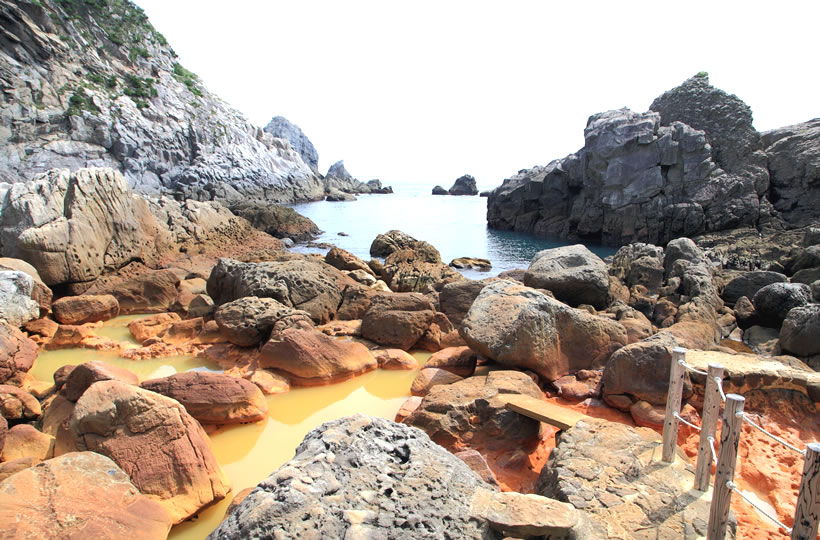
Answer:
x=807 y=514
x=542 y=410
x=708 y=427
x=727 y=460
x=673 y=400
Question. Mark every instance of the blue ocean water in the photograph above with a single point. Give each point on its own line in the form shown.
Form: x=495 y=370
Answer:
x=456 y=226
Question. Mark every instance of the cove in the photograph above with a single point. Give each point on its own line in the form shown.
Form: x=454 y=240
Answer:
x=248 y=453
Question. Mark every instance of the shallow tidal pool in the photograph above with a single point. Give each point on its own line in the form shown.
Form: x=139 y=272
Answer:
x=250 y=452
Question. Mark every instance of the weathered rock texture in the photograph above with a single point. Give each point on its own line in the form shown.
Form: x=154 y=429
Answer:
x=574 y=274
x=282 y=128
x=94 y=84
x=16 y=305
x=693 y=164
x=363 y=477
x=160 y=447
x=613 y=474
x=73 y=226
x=213 y=398
x=79 y=495
x=17 y=354
x=464 y=185
x=521 y=327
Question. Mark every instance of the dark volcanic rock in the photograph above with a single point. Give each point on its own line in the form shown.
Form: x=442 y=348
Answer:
x=794 y=165
x=464 y=185
x=773 y=302
x=647 y=177
x=438 y=190
x=281 y=128
x=800 y=333
x=749 y=283
x=348 y=475
x=338 y=181
x=277 y=220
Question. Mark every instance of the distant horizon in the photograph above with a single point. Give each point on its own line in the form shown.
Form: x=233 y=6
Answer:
x=407 y=93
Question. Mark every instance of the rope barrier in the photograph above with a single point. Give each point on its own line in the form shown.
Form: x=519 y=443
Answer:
x=712 y=448
x=691 y=368
x=773 y=436
x=719 y=382
x=690 y=424
x=731 y=485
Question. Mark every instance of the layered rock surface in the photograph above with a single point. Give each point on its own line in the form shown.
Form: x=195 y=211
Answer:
x=94 y=84
x=677 y=170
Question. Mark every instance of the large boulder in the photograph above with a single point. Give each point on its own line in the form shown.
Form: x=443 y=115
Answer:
x=800 y=333
x=457 y=297
x=474 y=411
x=613 y=473
x=344 y=260
x=79 y=495
x=520 y=327
x=277 y=220
x=639 y=264
x=248 y=321
x=213 y=398
x=86 y=308
x=464 y=185
x=640 y=371
x=397 y=320
x=154 y=440
x=748 y=283
x=417 y=269
x=25 y=441
x=151 y=292
x=793 y=154
x=303 y=284
x=17 y=354
x=371 y=478
x=574 y=274
x=309 y=358
x=385 y=244
x=72 y=225
x=16 y=305
x=17 y=404
x=80 y=378
x=773 y=302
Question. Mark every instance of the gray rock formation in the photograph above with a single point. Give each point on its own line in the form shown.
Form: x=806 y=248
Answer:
x=337 y=178
x=16 y=305
x=794 y=165
x=362 y=477
x=73 y=226
x=438 y=190
x=574 y=274
x=94 y=84
x=681 y=170
x=281 y=128
x=464 y=185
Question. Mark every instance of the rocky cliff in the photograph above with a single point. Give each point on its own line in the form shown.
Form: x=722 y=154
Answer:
x=92 y=83
x=693 y=164
x=282 y=128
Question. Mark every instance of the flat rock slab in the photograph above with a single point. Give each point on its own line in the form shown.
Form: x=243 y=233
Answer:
x=542 y=410
x=613 y=473
x=522 y=515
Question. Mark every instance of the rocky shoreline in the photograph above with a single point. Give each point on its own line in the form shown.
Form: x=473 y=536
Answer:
x=591 y=333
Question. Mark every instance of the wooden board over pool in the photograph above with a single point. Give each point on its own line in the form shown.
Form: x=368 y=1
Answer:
x=542 y=410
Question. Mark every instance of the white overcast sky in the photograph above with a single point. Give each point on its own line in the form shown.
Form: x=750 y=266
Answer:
x=425 y=91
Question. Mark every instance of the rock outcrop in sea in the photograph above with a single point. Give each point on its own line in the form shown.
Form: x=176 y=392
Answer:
x=282 y=128
x=676 y=170
x=94 y=84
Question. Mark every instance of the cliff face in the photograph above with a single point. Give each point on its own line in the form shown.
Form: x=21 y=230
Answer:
x=693 y=164
x=92 y=83
x=282 y=128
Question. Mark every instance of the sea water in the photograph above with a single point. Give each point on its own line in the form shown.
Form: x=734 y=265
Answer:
x=455 y=225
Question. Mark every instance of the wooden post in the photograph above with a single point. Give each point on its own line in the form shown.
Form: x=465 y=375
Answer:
x=673 y=399
x=727 y=459
x=807 y=514
x=708 y=427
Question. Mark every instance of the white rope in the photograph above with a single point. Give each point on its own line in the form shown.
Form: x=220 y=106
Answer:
x=712 y=448
x=719 y=382
x=691 y=425
x=731 y=485
x=690 y=368
x=775 y=437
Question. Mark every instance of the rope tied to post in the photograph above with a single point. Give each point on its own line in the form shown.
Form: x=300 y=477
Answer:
x=712 y=448
x=691 y=368
x=732 y=486
x=690 y=424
